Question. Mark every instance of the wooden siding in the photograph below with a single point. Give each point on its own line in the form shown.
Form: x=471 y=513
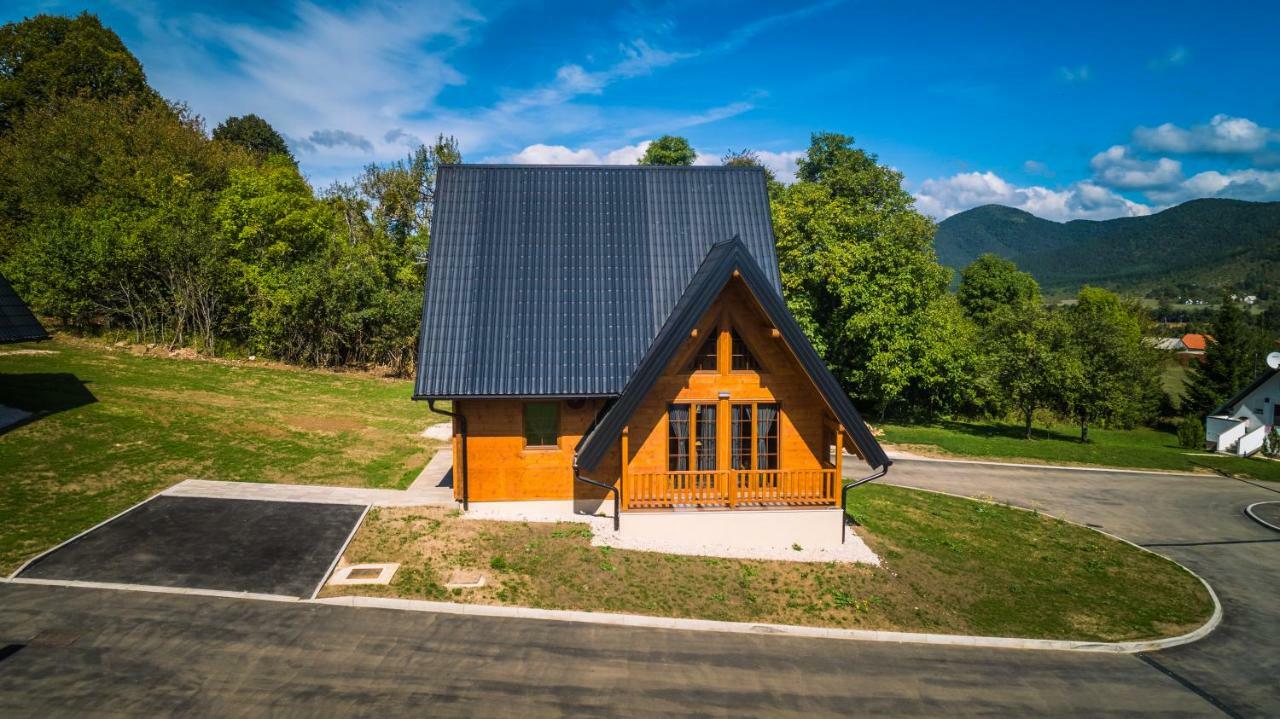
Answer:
x=502 y=468
x=802 y=416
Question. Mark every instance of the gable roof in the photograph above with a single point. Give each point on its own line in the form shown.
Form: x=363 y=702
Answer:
x=1195 y=342
x=712 y=275
x=1244 y=393
x=17 y=324
x=554 y=280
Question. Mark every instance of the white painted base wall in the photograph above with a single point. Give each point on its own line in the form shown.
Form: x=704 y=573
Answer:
x=737 y=534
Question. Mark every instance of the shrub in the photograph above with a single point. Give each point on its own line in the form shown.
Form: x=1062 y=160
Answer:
x=1191 y=433
x=1272 y=446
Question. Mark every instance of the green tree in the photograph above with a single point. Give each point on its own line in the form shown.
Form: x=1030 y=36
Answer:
x=253 y=134
x=991 y=283
x=47 y=57
x=860 y=274
x=1030 y=359
x=1230 y=361
x=669 y=150
x=1118 y=377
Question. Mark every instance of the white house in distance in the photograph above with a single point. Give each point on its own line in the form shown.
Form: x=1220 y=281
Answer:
x=1241 y=424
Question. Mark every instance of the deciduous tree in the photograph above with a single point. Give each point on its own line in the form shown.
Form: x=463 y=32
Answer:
x=669 y=150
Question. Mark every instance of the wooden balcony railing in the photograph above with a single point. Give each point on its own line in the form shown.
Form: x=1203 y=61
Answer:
x=731 y=488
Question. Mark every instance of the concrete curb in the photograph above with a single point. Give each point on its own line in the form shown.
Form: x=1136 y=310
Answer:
x=1249 y=511
x=787 y=630
x=1055 y=467
x=154 y=589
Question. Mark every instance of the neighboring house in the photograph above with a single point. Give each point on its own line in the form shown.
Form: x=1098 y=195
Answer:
x=1167 y=344
x=622 y=330
x=17 y=324
x=1191 y=347
x=1241 y=424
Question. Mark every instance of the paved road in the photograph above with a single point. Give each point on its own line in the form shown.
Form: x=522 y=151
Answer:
x=1198 y=521
x=66 y=651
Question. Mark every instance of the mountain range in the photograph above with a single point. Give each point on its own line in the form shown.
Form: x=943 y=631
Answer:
x=1195 y=248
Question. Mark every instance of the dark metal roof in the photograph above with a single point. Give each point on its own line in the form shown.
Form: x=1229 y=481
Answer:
x=554 y=280
x=705 y=286
x=17 y=324
x=1244 y=393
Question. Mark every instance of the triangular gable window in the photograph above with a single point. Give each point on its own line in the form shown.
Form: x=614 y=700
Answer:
x=705 y=360
x=742 y=357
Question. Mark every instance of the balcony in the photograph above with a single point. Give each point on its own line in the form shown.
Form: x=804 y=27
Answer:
x=731 y=489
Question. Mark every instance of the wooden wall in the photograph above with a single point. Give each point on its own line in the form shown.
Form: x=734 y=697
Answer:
x=502 y=468
x=780 y=379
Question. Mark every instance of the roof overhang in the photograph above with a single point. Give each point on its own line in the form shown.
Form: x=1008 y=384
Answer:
x=716 y=270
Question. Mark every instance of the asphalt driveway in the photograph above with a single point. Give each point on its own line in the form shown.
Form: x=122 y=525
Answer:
x=237 y=545
x=1198 y=521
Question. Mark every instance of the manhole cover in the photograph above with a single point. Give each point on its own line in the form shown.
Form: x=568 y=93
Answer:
x=364 y=574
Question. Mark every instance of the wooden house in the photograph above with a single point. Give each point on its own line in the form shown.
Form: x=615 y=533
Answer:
x=620 y=333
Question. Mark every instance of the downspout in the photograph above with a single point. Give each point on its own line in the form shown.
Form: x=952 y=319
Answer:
x=844 y=495
x=462 y=427
x=617 y=521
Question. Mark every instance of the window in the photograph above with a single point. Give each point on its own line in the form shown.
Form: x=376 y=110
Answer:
x=705 y=360
x=705 y=440
x=742 y=357
x=766 y=436
x=740 y=441
x=541 y=424
x=828 y=446
x=678 y=438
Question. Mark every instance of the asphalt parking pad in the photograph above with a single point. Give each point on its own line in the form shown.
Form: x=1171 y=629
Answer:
x=236 y=545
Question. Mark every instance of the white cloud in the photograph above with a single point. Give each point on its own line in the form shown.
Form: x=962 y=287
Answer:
x=783 y=164
x=1074 y=74
x=1256 y=185
x=944 y=197
x=1223 y=135
x=1176 y=57
x=1035 y=167
x=1118 y=167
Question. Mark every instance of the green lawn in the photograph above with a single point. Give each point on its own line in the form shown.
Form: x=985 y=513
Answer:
x=116 y=427
x=951 y=565
x=1141 y=448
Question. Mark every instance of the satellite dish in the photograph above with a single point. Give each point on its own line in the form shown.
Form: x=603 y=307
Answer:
x=1273 y=360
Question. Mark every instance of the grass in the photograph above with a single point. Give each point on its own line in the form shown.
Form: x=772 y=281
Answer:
x=113 y=428
x=1141 y=448
x=950 y=565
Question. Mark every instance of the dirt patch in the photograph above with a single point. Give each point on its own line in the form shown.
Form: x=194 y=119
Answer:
x=6 y=353
x=325 y=423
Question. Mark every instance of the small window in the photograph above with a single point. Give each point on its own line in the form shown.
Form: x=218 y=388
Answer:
x=742 y=357
x=705 y=361
x=541 y=424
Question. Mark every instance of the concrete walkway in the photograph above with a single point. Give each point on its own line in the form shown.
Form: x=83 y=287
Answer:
x=433 y=487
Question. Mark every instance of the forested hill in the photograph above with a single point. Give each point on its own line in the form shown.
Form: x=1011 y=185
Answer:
x=1206 y=243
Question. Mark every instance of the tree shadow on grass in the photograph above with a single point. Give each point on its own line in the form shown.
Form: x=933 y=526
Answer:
x=41 y=394
x=1007 y=431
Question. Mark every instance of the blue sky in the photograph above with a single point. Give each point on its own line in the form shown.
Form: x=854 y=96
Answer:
x=1076 y=110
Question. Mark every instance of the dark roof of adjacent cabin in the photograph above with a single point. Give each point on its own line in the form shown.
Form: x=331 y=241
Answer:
x=17 y=324
x=1244 y=393
x=555 y=280
x=713 y=273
